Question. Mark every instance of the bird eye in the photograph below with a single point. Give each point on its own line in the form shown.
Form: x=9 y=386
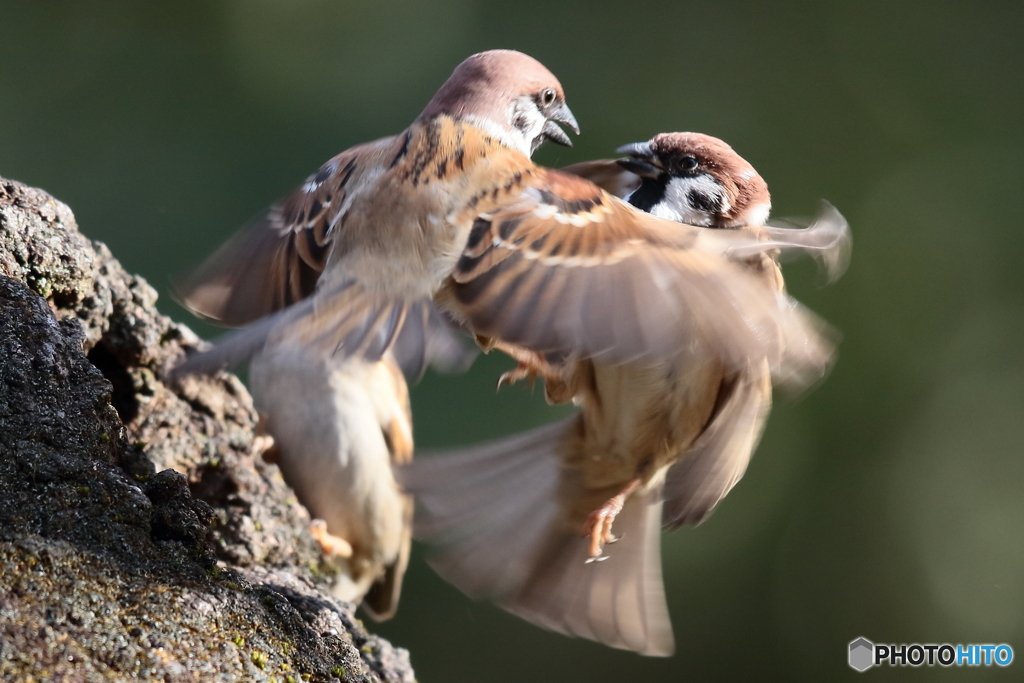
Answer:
x=547 y=97
x=688 y=163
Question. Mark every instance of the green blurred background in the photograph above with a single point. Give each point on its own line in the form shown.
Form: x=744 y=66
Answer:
x=887 y=503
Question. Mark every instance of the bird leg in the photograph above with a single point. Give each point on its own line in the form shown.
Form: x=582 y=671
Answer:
x=599 y=524
x=330 y=545
x=531 y=366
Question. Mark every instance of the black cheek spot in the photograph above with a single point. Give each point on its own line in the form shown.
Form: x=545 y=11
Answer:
x=442 y=168
x=703 y=201
x=460 y=155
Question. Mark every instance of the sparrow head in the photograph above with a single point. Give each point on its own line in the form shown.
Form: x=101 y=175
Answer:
x=509 y=95
x=696 y=179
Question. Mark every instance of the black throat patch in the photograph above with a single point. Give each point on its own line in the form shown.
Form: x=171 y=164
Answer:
x=650 y=193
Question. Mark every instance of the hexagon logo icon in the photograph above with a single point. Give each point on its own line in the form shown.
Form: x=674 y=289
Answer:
x=862 y=654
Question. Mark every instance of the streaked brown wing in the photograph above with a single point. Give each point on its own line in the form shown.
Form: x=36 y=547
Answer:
x=570 y=269
x=608 y=175
x=276 y=261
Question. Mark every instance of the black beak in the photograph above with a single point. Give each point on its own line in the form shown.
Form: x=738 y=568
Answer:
x=551 y=131
x=642 y=160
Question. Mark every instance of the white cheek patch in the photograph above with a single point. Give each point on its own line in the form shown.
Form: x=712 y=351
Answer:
x=528 y=117
x=510 y=137
x=676 y=205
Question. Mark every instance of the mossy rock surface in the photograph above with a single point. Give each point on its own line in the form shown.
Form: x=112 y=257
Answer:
x=142 y=536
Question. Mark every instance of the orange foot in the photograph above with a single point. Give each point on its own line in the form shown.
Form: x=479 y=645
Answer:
x=263 y=444
x=599 y=524
x=332 y=546
x=531 y=366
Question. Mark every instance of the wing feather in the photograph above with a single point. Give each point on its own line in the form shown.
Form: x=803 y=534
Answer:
x=720 y=455
x=608 y=175
x=599 y=254
x=277 y=259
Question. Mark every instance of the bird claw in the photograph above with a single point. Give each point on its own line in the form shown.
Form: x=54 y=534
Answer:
x=599 y=524
x=520 y=372
x=330 y=545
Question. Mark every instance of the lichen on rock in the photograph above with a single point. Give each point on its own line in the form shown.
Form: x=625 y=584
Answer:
x=141 y=533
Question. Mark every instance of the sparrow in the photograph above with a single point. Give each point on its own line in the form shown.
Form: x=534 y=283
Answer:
x=348 y=263
x=358 y=244
x=658 y=440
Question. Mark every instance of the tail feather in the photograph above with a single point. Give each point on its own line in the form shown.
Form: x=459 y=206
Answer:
x=620 y=601
x=495 y=520
x=484 y=508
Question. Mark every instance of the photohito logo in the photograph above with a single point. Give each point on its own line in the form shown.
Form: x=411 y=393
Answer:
x=864 y=654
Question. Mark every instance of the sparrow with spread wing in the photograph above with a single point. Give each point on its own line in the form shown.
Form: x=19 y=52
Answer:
x=348 y=263
x=662 y=434
x=381 y=220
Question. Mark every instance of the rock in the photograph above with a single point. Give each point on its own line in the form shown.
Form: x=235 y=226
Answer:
x=141 y=533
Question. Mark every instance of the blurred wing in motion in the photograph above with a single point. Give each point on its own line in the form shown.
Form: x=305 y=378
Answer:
x=619 y=601
x=827 y=239
x=345 y=321
x=570 y=269
x=719 y=456
x=493 y=516
x=608 y=175
x=276 y=261
x=267 y=278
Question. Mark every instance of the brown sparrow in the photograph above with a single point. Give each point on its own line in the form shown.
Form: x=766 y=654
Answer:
x=362 y=242
x=339 y=425
x=354 y=256
x=658 y=440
